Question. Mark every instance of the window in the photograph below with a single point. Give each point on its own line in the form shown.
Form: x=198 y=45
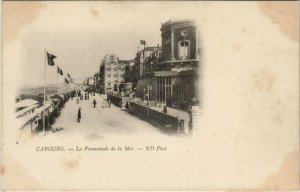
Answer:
x=184 y=90
x=163 y=88
x=183 y=49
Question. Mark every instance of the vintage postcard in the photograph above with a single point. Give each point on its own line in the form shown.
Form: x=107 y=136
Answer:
x=150 y=95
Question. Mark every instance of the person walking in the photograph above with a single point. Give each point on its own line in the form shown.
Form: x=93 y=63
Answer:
x=104 y=103
x=94 y=102
x=165 y=109
x=79 y=115
x=127 y=106
x=108 y=102
x=77 y=101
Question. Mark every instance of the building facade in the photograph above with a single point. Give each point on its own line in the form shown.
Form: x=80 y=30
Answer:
x=140 y=68
x=170 y=76
x=97 y=82
x=111 y=74
x=140 y=59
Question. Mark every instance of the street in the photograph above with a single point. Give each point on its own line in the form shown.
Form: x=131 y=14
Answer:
x=99 y=120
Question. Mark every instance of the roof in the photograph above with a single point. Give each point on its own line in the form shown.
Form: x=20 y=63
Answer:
x=22 y=121
x=26 y=103
x=178 y=23
x=25 y=110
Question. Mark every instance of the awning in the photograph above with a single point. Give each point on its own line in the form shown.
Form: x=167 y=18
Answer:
x=173 y=73
x=165 y=73
x=160 y=74
x=26 y=103
x=188 y=72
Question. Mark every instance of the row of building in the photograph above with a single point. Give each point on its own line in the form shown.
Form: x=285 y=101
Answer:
x=163 y=75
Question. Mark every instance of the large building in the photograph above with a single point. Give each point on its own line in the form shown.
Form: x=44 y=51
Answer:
x=141 y=57
x=140 y=65
x=112 y=71
x=97 y=82
x=170 y=76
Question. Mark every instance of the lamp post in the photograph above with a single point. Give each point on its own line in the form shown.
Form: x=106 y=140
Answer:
x=144 y=93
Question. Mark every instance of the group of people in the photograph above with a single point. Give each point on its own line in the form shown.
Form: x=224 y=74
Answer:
x=80 y=96
x=106 y=102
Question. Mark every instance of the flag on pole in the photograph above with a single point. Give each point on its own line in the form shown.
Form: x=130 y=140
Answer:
x=69 y=76
x=50 y=58
x=143 y=42
x=60 y=71
x=66 y=80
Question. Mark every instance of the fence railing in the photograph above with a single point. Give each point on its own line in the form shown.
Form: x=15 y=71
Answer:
x=159 y=119
x=115 y=100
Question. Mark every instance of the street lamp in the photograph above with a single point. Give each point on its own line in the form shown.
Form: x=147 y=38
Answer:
x=144 y=93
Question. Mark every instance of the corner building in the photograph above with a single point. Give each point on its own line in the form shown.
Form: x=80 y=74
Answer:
x=174 y=79
x=111 y=74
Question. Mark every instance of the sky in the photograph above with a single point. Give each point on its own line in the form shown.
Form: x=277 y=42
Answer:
x=80 y=34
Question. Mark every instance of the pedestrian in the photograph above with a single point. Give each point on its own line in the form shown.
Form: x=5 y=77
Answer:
x=104 y=104
x=79 y=115
x=77 y=100
x=127 y=106
x=94 y=102
x=108 y=102
x=165 y=109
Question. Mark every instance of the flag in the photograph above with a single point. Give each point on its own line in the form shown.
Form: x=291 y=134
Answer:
x=143 y=42
x=69 y=76
x=66 y=80
x=50 y=58
x=60 y=71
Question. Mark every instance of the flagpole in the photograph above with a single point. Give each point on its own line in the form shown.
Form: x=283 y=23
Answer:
x=44 y=91
x=144 y=58
x=57 y=81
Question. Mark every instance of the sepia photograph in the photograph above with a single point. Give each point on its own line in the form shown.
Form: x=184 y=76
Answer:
x=150 y=96
x=153 y=88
